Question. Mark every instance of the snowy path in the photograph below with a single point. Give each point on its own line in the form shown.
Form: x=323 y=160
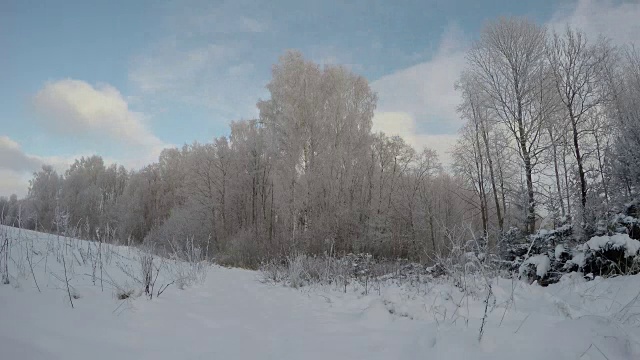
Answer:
x=231 y=316
x=234 y=316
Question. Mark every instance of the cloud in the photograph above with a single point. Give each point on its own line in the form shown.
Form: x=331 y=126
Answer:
x=206 y=61
x=419 y=103
x=426 y=90
x=75 y=106
x=253 y=25
x=196 y=18
x=214 y=76
x=12 y=182
x=16 y=166
x=13 y=158
x=404 y=125
x=617 y=21
x=98 y=116
x=170 y=68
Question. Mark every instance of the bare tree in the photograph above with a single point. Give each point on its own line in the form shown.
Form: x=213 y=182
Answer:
x=578 y=68
x=475 y=110
x=509 y=62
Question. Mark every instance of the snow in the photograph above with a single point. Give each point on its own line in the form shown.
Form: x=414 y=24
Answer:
x=541 y=262
x=617 y=241
x=559 y=251
x=578 y=258
x=235 y=314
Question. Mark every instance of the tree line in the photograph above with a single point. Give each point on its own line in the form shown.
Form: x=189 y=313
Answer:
x=550 y=139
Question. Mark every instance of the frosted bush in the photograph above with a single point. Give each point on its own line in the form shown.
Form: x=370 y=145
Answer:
x=538 y=265
x=296 y=270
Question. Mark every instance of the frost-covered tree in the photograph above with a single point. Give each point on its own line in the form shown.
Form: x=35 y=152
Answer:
x=44 y=193
x=508 y=62
x=578 y=69
x=625 y=109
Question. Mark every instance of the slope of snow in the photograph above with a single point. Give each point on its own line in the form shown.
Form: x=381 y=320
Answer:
x=233 y=314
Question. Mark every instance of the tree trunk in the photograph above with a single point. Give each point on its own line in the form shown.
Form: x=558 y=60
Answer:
x=481 y=191
x=566 y=176
x=601 y=167
x=557 y=172
x=493 y=179
x=531 y=206
x=581 y=175
x=502 y=192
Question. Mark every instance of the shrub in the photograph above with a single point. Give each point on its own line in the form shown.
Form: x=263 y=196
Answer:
x=608 y=255
x=535 y=268
x=241 y=250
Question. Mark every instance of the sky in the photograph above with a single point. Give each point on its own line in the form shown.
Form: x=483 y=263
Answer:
x=125 y=79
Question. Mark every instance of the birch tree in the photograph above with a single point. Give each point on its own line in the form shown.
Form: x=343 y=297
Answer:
x=578 y=72
x=509 y=62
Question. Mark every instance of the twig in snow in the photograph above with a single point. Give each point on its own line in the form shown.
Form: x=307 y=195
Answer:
x=486 y=311
x=581 y=355
x=66 y=279
x=522 y=323
x=163 y=288
x=597 y=348
x=29 y=260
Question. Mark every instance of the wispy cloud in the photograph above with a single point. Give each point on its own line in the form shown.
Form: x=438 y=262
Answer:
x=197 y=18
x=211 y=75
x=253 y=25
x=169 y=69
x=617 y=21
x=205 y=61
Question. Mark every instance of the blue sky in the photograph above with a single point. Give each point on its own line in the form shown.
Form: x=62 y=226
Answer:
x=126 y=78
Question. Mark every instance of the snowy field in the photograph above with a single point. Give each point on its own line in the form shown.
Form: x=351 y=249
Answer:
x=234 y=314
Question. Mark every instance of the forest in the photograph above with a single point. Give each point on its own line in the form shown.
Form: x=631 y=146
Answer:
x=547 y=159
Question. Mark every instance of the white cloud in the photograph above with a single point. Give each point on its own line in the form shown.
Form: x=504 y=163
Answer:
x=404 y=124
x=419 y=103
x=426 y=90
x=76 y=107
x=617 y=21
x=99 y=114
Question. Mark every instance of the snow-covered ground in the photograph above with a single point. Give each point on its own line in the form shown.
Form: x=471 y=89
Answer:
x=234 y=314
